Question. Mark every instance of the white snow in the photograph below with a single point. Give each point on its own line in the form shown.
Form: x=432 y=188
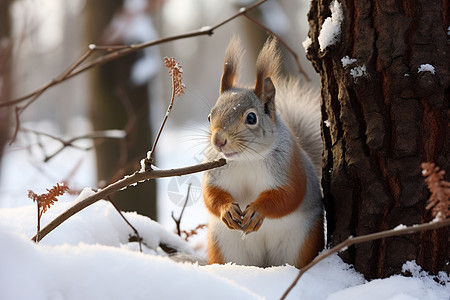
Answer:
x=358 y=71
x=206 y=28
x=401 y=226
x=306 y=43
x=142 y=163
x=101 y=272
x=89 y=257
x=347 y=61
x=85 y=193
x=330 y=33
x=426 y=68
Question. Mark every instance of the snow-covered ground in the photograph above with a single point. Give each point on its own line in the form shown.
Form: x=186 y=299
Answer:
x=90 y=256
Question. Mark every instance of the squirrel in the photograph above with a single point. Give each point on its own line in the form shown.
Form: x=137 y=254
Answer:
x=265 y=204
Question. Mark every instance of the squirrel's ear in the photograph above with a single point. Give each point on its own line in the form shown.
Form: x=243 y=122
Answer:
x=267 y=65
x=268 y=97
x=233 y=56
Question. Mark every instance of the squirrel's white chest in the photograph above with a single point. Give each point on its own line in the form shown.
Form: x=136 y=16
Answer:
x=246 y=180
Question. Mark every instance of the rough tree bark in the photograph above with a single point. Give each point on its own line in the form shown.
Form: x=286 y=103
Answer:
x=380 y=126
x=115 y=100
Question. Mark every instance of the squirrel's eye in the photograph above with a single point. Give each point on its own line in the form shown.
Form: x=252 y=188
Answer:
x=251 y=119
x=209 y=118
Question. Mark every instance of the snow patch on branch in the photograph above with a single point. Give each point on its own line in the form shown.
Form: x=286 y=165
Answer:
x=400 y=227
x=330 y=33
x=85 y=193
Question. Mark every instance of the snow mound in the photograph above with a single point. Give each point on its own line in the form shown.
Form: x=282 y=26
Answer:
x=101 y=272
x=90 y=257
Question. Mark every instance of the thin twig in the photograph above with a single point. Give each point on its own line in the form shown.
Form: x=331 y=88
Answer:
x=193 y=232
x=175 y=72
x=68 y=73
x=38 y=226
x=288 y=48
x=135 y=178
x=39 y=92
x=129 y=224
x=366 y=238
x=178 y=221
x=103 y=134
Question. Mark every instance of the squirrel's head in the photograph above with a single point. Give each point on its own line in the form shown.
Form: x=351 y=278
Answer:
x=243 y=121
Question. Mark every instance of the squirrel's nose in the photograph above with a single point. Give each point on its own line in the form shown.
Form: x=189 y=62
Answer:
x=219 y=139
x=220 y=143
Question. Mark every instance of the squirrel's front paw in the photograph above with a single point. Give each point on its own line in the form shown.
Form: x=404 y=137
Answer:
x=231 y=216
x=251 y=219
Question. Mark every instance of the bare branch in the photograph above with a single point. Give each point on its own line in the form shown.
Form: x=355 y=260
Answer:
x=139 y=239
x=64 y=76
x=178 y=221
x=135 y=178
x=366 y=238
x=103 y=134
x=68 y=73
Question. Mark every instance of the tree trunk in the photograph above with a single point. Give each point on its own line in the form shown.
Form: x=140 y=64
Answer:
x=115 y=101
x=383 y=115
x=6 y=45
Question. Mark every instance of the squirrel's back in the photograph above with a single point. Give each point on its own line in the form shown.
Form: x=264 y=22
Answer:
x=299 y=106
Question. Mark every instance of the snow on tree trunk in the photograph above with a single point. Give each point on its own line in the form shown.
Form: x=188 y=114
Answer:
x=385 y=72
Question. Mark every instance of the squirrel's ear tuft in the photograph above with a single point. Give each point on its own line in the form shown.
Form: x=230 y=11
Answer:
x=267 y=65
x=233 y=56
x=268 y=97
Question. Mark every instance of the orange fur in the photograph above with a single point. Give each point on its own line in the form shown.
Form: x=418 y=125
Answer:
x=215 y=256
x=280 y=202
x=216 y=199
x=313 y=243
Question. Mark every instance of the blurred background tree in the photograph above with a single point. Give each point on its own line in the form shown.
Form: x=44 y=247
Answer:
x=5 y=70
x=120 y=97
